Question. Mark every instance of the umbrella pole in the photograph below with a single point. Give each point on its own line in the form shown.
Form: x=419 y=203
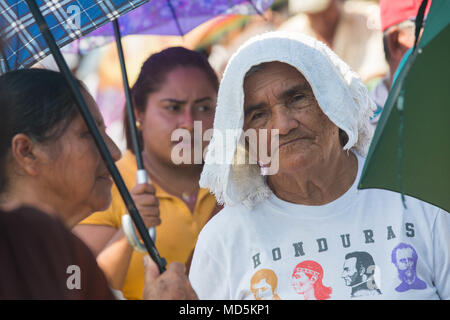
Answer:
x=5 y=61
x=141 y=175
x=129 y=103
x=175 y=17
x=87 y=116
x=257 y=10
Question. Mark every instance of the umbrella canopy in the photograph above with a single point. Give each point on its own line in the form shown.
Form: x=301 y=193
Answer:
x=67 y=20
x=172 y=18
x=178 y=17
x=410 y=151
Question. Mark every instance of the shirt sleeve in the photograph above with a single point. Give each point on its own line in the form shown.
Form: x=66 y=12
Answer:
x=207 y=275
x=441 y=243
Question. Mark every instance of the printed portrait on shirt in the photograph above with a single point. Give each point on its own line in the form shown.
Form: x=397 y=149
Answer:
x=404 y=257
x=264 y=285
x=307 y=279
x=358 y=273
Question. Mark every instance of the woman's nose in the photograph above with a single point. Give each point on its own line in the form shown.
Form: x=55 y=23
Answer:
x=113 y=148
x=186 y=120
x=283 y=120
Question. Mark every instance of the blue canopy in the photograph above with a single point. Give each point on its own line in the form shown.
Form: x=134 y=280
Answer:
x=67 y=19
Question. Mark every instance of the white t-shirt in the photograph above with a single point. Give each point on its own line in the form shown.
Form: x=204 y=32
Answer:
x=364 y=245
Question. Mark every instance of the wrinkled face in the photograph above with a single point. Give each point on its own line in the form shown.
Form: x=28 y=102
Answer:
x=74 y=172
x=279 y=97
x=187 y=95
x=301 y=282
x=262 y=290
x=349 y=273
x=405 y=264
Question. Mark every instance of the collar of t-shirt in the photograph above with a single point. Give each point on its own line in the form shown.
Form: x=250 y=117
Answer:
x=322 y=211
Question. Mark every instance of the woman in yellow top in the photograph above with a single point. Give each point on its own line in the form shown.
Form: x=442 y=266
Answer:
x=175 y=87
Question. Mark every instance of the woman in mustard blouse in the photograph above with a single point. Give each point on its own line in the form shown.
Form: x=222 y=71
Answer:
x=175 y=88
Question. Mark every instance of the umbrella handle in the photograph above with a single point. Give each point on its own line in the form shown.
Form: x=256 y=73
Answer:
x=141 y=177
x=130 y=234
x=127 y=223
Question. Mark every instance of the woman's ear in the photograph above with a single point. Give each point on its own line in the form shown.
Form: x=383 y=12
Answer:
x=139 y=117
x=23 y=150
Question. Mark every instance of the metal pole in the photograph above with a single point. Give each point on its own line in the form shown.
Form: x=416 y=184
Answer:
x=175 y=17
x=129 y=103
x=87 y=116
x=141 y=175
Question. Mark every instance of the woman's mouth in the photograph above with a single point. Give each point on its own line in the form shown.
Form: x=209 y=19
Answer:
x=292 y=142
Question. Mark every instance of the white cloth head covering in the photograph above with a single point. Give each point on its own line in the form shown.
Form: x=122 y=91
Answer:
x=339 y=91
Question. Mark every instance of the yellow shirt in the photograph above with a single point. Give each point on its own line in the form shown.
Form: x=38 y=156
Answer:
x=175 y=236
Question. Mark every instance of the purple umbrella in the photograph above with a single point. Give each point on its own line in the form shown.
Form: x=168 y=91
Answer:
x=177 y=17
x=168 y=17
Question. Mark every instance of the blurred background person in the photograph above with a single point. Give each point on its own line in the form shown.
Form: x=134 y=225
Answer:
x=398 y=26
x=238 y=28
x=350 y=28
x=49 y=162
x=175 y=87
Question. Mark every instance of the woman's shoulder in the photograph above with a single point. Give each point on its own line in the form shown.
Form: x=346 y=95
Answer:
x=31 y=221
x=27 y=235
x=425 y=210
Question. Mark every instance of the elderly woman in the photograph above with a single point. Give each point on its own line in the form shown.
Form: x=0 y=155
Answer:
x=308 y=208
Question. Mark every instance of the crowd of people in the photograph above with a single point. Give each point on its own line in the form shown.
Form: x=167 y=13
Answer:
x=227 y=229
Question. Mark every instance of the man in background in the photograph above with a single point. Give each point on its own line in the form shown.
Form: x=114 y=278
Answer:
x=350 y=28
x=398 y=26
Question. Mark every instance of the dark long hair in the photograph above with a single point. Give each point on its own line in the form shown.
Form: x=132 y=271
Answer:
x=35 y=102
x=153 y=74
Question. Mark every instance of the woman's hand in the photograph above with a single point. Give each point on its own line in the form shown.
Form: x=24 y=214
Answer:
x=173 y=284
x=147 y=204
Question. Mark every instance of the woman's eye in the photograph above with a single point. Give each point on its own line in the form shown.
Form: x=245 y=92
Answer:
x=86 y=134
x=173 y=108
x=203 y=108
x=297 y=98
x=258 y=115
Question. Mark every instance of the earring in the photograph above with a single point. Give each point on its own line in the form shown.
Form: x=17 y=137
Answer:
x=138 y=124
x=264 y=169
